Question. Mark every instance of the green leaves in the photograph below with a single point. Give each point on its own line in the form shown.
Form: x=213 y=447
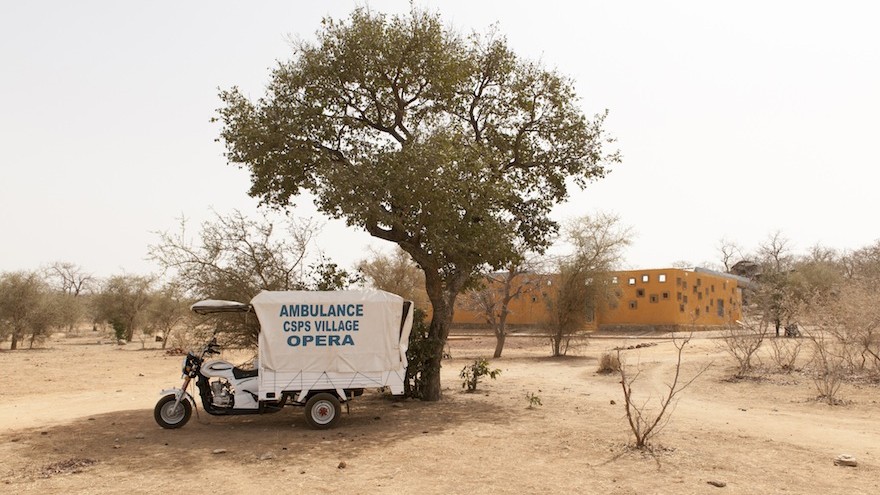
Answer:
x=453 y=146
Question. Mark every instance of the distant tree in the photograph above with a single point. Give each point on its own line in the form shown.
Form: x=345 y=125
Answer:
x=818 y=274
x=69 y=278
x=567 y=303
x=583 y=277
x=236 y=257
x=26 y=309
x=451 y=147
x=395 y=273
x=167 y=311
x=71 y=282
x=863 y=263
x=492 y=297
x=122 y=302
x=776 y=293
x=730 y=252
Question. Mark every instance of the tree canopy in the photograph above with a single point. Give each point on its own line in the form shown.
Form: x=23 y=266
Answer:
x=450 y=146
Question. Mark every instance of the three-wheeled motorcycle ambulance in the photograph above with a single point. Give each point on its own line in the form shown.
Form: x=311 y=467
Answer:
x=316 y=350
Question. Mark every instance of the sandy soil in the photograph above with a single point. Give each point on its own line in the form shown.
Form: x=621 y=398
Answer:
x=77 y=417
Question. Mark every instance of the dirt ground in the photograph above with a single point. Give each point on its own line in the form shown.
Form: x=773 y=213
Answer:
x=77 y=417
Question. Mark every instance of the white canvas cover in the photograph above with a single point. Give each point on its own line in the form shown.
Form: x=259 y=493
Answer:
x=356 y=331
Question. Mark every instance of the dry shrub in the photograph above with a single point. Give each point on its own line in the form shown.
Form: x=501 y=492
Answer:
x=742 y=343
x=785 y=353
x=851 y=321
x=646 y=422
x=830 y=366
x=609 y=363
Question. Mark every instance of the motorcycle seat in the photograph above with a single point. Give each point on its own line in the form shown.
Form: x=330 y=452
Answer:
x=239 y=373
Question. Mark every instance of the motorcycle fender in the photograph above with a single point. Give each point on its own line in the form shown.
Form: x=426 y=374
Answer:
x=175 y=391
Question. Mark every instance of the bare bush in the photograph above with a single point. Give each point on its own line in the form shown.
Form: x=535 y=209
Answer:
x=609 y=363
x=785 y=353
x=743 y=342
x=829 y=367
x=845 y=336
x=646 y=422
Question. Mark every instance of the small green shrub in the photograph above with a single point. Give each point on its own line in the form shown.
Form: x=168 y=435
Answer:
x=472 y=373
x=118 y=329
x=533 y=399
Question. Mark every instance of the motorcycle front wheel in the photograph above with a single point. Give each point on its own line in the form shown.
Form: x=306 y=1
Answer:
x=170 y=417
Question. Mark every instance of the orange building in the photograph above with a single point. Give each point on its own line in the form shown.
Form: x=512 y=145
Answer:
x=672 y=299
x=656 y=299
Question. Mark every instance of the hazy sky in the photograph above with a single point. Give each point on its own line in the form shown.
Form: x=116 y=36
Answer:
x=734 y=118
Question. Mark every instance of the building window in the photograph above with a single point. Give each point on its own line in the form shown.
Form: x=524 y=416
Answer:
x=677 y=280
x=534 y=299
x=681 y=308
x=707 y=309
x=631 y=281
x=684 y=285
x=645 y=278
x=661 y=277
x=633 y=304
x=712 y=287
x=699 y=296
x=678 y=296
x=685 y=299
x=699 y=282
x=654 y=298
x=720 y=307
x=640 y=292
x=665 y=295
x=697 y=312
x=613 y=280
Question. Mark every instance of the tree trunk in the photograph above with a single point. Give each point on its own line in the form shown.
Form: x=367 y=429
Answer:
x=14 y=345
x=501 y=332
x=129 y=332
x=442 y=294
x=499 y=344
x=438 y=331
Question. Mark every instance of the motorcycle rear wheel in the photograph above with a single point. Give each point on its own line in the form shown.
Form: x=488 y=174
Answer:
x=323 y=411
x=170 y=417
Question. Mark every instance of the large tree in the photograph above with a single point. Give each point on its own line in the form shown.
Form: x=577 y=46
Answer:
x=452 y=147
